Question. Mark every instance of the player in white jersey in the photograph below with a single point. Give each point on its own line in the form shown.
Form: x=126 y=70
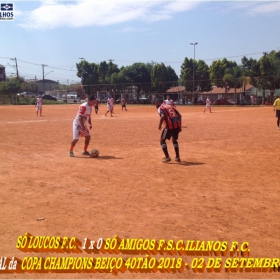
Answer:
x=38 y=105
x=208 y=104
x=110 y=106
x=169 y=101
x=80 y=128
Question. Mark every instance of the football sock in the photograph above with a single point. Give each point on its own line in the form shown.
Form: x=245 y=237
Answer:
x=85 y=147
x=176 y=148
x=164 y=148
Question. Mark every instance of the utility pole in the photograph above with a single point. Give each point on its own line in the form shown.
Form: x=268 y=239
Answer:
x=43 y=65
x=15 y=59
x=263 y=94
x=193 y=63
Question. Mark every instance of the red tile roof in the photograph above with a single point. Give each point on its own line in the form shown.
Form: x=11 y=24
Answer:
x=176 y=89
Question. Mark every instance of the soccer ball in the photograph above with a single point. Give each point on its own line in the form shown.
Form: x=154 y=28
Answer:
x=94 y=153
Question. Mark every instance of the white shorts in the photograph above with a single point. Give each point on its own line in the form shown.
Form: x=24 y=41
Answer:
x=208 y=106
x=110 y=108
x=39 y=107
x=77 y=132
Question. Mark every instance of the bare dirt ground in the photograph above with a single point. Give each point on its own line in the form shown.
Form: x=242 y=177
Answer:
x=226 y=187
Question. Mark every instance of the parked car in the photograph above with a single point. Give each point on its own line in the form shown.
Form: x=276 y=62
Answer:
x=49 y=97
x=131 y=101
x=27 y=94
x=200 y=102
x=179 y=102
x=245 y=102
x=224 y=102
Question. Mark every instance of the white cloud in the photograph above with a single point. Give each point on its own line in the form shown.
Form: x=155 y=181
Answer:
x=266 y=8
x=54 y=14
x=256 y=8
x=132 y=29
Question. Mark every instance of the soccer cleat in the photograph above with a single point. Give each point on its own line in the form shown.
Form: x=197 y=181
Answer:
x=71 y=154
x=177 y=159
x=167 y=159
x=85 y=153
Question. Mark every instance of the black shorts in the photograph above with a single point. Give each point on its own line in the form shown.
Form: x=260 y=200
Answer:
x=123 y=106
x=168 y=133
x=278 y=114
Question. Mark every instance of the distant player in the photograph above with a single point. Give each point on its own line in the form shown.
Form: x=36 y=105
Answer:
x=171 y=119
x=124 y=104
x=208 y=104
x=96 y=106
x=169 y=101
x=276 y=106
x=39 y=105
x=80 y=125
x=110 y=106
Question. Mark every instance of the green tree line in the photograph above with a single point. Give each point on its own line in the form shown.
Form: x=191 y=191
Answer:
x=158 y=77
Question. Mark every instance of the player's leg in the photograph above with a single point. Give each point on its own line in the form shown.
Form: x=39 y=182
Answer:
x=41 y=109
x=163 y=137
x=76 y=136
x=278 y=118
x=87 y=140
x=176 y=145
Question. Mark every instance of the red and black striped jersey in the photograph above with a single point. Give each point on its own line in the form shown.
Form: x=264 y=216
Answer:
x=172 y=117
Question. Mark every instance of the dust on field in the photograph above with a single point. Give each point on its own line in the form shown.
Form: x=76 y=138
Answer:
x=226 y=187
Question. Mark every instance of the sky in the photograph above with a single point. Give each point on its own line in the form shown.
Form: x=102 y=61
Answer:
x=59 y=34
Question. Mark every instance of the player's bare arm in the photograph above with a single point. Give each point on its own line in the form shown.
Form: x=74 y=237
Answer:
x=162 y=118
x=89 y=122
x=81 y=120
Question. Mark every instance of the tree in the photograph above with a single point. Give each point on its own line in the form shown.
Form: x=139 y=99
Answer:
x=88 y=72
x=217 y=72
x=102 y=71
x=11 y=87
x=187 y=73
x=112 y=68
x=171 y=76
x=159 y=77
x=139 y=75
x=202 y=77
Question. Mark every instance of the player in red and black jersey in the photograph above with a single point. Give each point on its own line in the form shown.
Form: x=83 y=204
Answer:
x=170 y=121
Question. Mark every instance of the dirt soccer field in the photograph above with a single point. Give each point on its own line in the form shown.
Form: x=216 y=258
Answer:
x=226 y=188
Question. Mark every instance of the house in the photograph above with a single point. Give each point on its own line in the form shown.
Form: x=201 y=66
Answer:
x=179 y=93
x=2 y=73
x=46 y=85
x=237 y=94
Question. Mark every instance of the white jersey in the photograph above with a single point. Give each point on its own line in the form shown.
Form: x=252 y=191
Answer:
x=169 y=102
x=85 y=112
x=110 y=103
x=39 y=102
